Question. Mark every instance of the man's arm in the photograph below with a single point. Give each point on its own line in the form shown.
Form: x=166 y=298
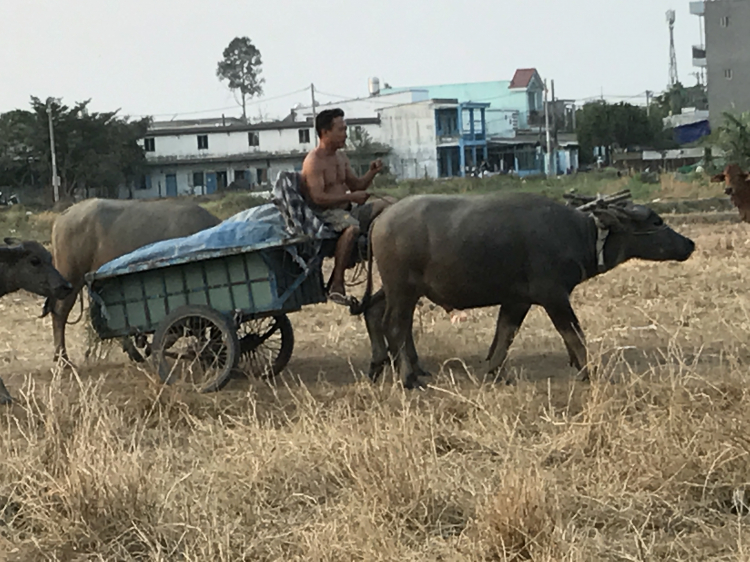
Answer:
x=314 y=175
x=360 y=184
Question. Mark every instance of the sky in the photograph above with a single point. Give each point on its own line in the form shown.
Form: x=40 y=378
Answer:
x=159 y=57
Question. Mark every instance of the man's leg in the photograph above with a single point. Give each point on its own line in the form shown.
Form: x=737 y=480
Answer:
x=344 y=248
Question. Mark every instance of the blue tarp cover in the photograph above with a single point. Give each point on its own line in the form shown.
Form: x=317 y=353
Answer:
x=685 y=134
x=260 y=226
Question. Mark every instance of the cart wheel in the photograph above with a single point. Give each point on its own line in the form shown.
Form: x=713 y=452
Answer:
x=197 y=344
x=266 y=345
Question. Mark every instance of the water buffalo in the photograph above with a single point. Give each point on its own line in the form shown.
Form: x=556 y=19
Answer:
x=27 y=265
x=95 y=231
x=513 y=250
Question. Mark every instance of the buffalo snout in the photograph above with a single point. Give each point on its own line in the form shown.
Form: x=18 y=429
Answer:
x=62 y=290
x=688 y=247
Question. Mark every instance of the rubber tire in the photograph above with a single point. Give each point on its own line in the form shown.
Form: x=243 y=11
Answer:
x=285 y=353
x=218 y=320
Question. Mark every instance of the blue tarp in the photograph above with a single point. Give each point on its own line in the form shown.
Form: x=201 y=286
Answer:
x=258 y=226
x=685 y=134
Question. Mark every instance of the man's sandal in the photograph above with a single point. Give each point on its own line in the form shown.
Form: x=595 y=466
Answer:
x=343 y=300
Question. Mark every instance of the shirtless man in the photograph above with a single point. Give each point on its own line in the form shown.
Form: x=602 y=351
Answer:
x=336 y=195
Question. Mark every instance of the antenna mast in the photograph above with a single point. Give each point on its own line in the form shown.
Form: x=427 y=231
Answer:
x=672 y=54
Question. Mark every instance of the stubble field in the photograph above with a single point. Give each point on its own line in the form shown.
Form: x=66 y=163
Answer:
x=647 y=462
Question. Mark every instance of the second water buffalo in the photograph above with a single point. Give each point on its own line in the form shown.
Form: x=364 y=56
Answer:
x=515 y=250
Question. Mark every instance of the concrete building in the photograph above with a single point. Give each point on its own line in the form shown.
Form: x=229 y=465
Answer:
x=726 y=56
x=435 y=138
x=197 y=157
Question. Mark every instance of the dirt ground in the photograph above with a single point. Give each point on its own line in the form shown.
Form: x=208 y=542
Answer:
x=637 y=465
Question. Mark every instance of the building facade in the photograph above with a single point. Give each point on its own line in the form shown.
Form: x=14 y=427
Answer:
x=726 y=56
x=200 y=157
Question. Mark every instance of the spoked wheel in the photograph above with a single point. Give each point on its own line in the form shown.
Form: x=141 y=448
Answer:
x=198 y=345
x=266 y=345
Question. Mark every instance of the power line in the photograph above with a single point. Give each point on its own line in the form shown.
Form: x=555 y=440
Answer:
x=255 y=102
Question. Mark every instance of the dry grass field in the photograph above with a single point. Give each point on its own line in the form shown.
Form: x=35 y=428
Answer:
x=650 y=461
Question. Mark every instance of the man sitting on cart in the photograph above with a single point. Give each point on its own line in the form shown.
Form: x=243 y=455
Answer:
x=338 y=196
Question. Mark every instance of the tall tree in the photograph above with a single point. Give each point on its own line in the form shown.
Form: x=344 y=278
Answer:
x=241 y=68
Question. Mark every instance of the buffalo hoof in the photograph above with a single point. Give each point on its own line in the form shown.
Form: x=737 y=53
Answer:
x=376 y=369
x=412 y=382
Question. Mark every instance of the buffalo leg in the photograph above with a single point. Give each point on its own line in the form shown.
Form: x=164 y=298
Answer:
x=374 y=321
x=61 y=311
x=4 y=394
x=509 y=320
x=567 y=325
x=398 y=320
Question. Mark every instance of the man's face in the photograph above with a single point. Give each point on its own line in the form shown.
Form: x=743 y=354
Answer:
x=337 y=135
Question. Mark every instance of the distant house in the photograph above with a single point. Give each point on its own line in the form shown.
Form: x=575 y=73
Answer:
x=199 y=157
x=514 y=130
x=427 y=131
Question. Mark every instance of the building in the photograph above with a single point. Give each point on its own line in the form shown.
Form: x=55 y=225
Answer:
x=726 y=55
x=198 y=157
x=427 y=131
x=435 y=138
x=514 y=133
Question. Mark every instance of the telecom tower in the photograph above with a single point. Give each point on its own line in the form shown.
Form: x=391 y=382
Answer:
x=672 y=54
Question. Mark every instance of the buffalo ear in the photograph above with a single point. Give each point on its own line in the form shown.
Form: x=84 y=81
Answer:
x=718 y=177
x=12 y=241
x=609 y=218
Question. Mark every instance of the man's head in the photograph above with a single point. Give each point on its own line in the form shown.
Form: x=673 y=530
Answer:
x=331 y=127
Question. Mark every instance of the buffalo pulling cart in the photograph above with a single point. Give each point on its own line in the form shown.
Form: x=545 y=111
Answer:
x=218 y=302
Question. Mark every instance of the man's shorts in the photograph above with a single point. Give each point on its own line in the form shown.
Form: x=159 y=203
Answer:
x=341 y=219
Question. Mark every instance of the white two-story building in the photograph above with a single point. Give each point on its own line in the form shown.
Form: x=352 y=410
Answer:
x=198 y=157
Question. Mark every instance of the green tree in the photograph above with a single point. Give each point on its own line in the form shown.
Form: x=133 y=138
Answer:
x=241 y=68
x=92 y=149
x=618 y=126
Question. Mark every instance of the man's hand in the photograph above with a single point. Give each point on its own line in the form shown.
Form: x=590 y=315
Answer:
x=376 y=166
x=359 y=197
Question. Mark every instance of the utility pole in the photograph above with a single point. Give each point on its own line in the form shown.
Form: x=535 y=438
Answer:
x=554 y=125
x=648 y=103
x=546 y=126
x=55 y=183
x=312 y=93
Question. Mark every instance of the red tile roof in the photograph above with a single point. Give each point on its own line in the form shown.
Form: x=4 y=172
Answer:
x=522 y=77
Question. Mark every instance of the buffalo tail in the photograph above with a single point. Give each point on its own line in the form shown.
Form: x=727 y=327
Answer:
x=357 y=307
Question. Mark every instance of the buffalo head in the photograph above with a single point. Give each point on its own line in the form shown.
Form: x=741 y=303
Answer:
x=28 y=265
x=635 y=231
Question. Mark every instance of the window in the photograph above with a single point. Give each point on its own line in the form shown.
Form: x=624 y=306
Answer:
x=149 y=144
x=202 y=142
x=304 y=136
x=198 y=179
x=728 y=73
x=145 y=182
x=724 y=21
x=253 y=138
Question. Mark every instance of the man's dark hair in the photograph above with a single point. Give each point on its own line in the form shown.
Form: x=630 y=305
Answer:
x=324 y=119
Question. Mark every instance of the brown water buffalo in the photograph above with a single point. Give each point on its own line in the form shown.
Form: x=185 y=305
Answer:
x=28 y=265
x=95 y=231
x=512 y=250
x=737 y=186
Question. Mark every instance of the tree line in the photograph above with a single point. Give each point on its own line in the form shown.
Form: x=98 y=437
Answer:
x=93 y=149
